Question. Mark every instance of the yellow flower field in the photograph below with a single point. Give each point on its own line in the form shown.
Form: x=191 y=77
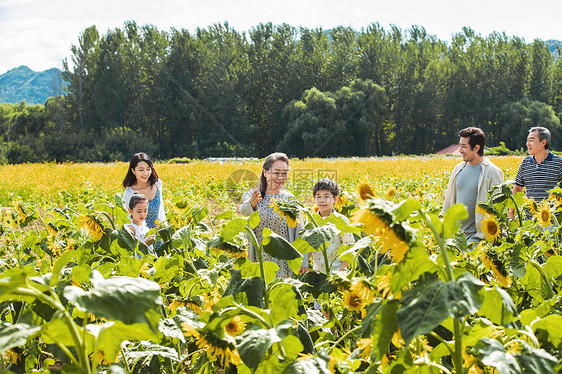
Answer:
x=204 y=181
x=412 y=295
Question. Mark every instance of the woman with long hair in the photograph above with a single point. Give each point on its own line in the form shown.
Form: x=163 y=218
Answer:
x=142 y=178
x=275 y=170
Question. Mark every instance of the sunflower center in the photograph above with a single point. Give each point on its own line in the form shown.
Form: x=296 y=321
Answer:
x=231 y=326
x=354 y=301
x=492 y=227
x=545 y=216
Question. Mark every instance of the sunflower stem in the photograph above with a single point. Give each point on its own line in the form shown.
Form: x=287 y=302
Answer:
x=457 y=357
x=517 y=210
x=258 y=248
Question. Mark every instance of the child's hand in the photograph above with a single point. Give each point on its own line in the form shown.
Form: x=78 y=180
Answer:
x=149 y=240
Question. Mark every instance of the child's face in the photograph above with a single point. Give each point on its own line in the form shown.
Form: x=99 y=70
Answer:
x=325 y=202
x=139 y=212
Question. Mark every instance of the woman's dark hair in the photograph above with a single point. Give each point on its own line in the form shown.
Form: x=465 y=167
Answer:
x=269 y=160
x=130 y=178
x=135 y=199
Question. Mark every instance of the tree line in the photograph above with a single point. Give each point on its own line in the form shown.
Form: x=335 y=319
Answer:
x=307 y=92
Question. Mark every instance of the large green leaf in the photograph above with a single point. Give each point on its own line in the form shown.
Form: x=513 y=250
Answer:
x=284 y=304
x=252 y=269
x=404 y=209
x=553 y=267
x=497 y=306
x=253 y=343
x=182 y=238
x=416 y=262
x=56 y=331
x=118 y=298
x=550 y=328
x=530 y=360
x=124 y=239
x=15 y=283
x=233 y=228
x=166 y=269
x=254 y=219
x=15 y=335
x=427 y=305
x=452 y=218
x=312 y=365
x=276 y=246
x=61 y=262
x=385 y=325
x=535 y=284
x=316 y=283
x=319 y=236
x=111 y=334
x=302 y=246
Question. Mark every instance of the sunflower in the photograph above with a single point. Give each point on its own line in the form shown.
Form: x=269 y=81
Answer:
x=231 y=250
x=287 y=210
x=543 y=214
x=364 y=290
x=365 y=192
x=531 y=205
x=92 y=226
x=342 y=201
x=13 y=356
x=217 y=348
x=235 y=327
x=52 y=229
x=193 y=303
x=372 y=223
x=491 y=228
x=383 y=285
x=492 y=262
x=388 y=238
x=390 y=193
x=103 y=360
x=365 y=346
x=397 y=339
x=353 y=301
x=188 y=330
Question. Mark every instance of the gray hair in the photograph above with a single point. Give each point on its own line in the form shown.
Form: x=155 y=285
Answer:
x=543 y=134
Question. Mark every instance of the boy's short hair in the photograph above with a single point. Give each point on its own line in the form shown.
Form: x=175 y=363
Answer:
x=136 y=198
x=326 y=184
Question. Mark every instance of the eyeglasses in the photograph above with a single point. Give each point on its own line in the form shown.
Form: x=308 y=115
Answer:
x=279 y=174
x=321 y=199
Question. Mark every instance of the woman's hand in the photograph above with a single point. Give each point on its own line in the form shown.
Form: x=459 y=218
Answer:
x=149 y=240
x=256 y=196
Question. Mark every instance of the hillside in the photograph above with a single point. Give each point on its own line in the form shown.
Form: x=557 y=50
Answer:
x=22 y=83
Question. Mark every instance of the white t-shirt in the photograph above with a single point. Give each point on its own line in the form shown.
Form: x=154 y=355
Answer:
x=332 y=250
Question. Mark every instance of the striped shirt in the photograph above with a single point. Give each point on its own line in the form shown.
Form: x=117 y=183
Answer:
x=539 y=178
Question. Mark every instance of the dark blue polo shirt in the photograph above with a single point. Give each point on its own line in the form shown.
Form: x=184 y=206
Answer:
x=539 y=178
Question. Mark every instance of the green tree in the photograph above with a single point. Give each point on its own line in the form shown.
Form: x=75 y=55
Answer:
x=517 y=118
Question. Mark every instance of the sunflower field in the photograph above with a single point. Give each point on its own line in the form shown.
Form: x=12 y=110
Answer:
x=79 y=294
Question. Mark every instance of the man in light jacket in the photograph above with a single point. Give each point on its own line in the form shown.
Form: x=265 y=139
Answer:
x=471 y=180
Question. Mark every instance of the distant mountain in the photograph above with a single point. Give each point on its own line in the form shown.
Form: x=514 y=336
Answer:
x=25 y=84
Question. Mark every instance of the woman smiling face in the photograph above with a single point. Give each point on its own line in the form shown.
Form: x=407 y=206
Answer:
x=142 y=172
x=276 y=176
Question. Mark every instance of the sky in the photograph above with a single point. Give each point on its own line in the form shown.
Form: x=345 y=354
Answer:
x=39 y=33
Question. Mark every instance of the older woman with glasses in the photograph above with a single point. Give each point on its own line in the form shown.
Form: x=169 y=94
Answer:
x=273 y=177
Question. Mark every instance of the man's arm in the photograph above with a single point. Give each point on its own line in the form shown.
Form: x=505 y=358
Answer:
x=516 y=189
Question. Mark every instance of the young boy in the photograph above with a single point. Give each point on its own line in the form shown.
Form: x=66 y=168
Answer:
x=138 y=209
x=326 y=193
